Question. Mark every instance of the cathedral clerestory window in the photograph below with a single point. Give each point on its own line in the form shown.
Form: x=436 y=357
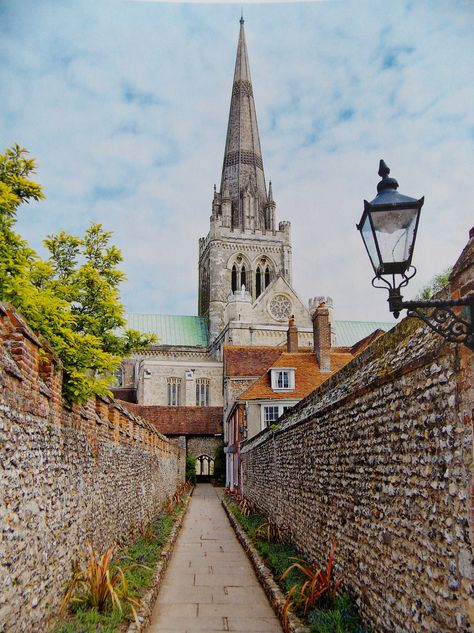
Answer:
x=174 y=392
x=202 y=392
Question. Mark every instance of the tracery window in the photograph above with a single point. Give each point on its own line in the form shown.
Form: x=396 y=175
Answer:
x=238 y=275
x=262 y=278
x=174 y=392
x=202 y=392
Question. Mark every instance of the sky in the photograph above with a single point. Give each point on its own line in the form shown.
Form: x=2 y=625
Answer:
x=124 y=104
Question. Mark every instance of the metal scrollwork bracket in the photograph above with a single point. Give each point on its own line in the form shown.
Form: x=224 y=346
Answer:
x=440 y=317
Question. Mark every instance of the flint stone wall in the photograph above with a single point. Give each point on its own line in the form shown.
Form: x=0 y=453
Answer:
x=379 y=459
x=68 y=475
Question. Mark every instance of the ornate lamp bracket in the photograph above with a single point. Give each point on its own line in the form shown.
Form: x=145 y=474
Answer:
x=438 y=315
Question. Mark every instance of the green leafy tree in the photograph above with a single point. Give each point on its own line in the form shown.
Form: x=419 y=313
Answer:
x=438 y=283
x=72 y=299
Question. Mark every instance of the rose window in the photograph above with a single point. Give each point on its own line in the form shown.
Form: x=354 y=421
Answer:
x=280 y=308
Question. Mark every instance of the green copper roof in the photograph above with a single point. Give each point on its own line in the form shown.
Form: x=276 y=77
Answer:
x=350 y=332
x=170 y=329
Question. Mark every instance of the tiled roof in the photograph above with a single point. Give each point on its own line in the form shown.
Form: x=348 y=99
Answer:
x=181 y=420
x=350 y=332
x=171 y=329
x=307 y=376
x=249 y=361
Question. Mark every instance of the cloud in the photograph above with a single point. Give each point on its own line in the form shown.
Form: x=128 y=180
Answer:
x=125 y=107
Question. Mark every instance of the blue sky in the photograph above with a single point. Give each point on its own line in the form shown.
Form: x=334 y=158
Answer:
x=124 y=104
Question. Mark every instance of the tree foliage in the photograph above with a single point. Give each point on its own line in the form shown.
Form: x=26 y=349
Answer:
x=72 y=299
x=438 y=283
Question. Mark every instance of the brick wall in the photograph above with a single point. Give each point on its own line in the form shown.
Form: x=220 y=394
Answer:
x=68 y=475
x=379 y=459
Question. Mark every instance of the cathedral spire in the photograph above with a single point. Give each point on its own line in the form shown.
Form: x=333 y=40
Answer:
x=242 y=171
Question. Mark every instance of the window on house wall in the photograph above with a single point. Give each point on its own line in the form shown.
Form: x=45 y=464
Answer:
x=283 y=379
x=174 y=392
x=270 y=414
x=202 y=392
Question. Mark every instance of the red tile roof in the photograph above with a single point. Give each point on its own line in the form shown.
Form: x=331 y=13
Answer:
x=249 y=361
x=307 y=376
x=181 y=420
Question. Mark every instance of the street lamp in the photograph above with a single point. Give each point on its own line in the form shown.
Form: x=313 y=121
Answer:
x=388 y=227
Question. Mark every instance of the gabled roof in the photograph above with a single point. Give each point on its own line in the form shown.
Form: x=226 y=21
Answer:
x=188 y=331
x=307 y=376
x=350 y=332
x=180 y=420
x=249 y=361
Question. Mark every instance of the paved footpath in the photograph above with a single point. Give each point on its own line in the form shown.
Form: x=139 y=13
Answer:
x=210 y=584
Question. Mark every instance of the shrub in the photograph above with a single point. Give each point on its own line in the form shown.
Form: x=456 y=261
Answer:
x=191 y=468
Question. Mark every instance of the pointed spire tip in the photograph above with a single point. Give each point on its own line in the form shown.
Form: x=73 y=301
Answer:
x=242 y=16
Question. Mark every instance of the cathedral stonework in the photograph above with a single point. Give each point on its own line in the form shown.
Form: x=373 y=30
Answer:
x=246 y=256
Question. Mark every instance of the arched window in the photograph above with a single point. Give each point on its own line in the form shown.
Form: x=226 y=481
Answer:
x=242 y=276
x=267 y=277
x=234 y=278
x=258 y=282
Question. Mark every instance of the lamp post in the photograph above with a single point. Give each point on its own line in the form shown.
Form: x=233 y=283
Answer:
x=388 y=227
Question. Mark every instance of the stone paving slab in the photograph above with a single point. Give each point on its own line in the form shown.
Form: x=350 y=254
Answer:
x=209 y=584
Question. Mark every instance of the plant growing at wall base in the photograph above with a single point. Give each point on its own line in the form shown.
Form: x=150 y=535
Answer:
x=319 y=588
x=102 y=585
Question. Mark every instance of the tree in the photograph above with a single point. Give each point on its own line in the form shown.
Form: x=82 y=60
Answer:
x=438 y=283
x=72 y=299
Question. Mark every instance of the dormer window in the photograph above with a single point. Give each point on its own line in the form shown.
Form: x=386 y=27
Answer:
x=283 y=379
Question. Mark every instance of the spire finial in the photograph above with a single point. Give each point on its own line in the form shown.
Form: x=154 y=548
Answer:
x=242 y=16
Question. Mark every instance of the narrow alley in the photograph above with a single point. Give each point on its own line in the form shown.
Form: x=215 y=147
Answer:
x=210 y=584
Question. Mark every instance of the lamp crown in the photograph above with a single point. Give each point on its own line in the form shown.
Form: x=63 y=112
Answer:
x=386 y=182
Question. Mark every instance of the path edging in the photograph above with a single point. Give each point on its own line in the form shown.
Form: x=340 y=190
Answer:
x=274 y=593
x=148 y=599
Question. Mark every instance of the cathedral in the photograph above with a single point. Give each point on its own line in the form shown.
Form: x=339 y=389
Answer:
x=245 y=299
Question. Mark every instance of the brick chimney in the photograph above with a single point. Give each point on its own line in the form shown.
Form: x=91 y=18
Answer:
x=322 y=337
x=292 y=336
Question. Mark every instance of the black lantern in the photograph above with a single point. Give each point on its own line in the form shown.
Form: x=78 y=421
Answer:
x=388 y=227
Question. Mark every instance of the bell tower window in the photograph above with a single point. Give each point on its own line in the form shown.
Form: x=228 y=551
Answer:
x=258 y=282
x=242 y=277
x=234 y=278
x=267 y=277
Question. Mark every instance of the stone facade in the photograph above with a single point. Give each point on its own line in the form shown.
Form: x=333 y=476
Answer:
x=379 y=459
x=69 y=475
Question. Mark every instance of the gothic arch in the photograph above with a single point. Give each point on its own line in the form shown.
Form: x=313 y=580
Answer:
x=239 y=272
x=263 y=273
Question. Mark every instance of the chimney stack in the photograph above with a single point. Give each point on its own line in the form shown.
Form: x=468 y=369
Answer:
x=322 y=337
x=292 y=336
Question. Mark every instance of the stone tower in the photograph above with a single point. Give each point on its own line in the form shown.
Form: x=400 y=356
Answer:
x=243 y=247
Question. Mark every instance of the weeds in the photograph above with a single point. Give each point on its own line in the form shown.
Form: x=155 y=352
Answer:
x=311 y=592
x=100 y=598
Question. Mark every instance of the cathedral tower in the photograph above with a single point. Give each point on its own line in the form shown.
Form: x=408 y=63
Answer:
x=244 y=251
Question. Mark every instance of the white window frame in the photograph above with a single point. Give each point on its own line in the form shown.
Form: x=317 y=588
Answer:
x=283 y=378
x=202 y=392
x=280 y=406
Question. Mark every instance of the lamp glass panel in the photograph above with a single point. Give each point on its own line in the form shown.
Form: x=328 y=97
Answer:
x=395 y=232
x=369 y=241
